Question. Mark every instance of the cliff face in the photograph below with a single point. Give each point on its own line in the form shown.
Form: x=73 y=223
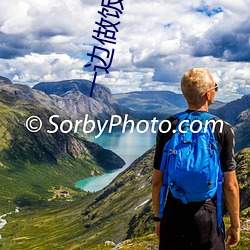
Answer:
x=72 y=96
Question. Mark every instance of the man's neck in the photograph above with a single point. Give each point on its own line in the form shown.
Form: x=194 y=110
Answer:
x=198 y=107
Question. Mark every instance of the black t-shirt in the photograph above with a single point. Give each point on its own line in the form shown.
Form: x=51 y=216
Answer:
x=225 y=141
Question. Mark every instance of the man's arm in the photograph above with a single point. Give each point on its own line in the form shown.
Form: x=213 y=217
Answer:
x=156 y=187
x=231 y=195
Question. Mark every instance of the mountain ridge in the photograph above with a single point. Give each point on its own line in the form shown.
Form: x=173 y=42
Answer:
x=72 y=96
x=4 y=80
x=230 y=111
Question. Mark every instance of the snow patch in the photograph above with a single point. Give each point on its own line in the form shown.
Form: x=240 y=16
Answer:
x=142 y=204
x=2 y=223
x=143 y=186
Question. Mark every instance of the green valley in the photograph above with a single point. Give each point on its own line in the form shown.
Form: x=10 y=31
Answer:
x=32 y=163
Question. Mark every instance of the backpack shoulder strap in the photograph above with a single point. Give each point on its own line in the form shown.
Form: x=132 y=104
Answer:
x=182 y=115
x=208 y=116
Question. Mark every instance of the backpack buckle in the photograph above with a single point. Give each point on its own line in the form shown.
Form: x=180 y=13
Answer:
x=172 y=152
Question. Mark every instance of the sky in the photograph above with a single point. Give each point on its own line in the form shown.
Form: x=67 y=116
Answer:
x=156 y=43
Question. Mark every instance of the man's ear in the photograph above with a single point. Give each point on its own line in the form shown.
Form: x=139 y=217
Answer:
x=207 y=95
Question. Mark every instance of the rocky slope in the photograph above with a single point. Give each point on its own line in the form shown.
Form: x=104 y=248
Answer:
x=242 y=130
x=31 y=163
x=232 y=110
x=237 y=114
x=72 y=96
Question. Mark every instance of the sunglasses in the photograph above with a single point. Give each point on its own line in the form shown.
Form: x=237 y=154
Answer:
x=216 y=87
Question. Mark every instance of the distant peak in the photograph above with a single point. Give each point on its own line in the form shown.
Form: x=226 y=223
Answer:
x=4 y=80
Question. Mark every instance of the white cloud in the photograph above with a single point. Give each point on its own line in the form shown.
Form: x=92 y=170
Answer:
x=34 y=68
x=46 y=40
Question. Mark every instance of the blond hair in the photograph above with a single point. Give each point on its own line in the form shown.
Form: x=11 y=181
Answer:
x=195 y=83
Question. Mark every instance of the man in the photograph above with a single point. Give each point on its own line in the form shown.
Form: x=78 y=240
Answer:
x=194 y=225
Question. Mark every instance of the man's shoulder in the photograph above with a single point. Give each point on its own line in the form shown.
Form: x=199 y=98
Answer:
x=227 y=127
x=220 y=124
x=172 y=119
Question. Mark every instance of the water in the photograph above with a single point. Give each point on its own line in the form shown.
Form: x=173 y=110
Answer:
x=129 y=146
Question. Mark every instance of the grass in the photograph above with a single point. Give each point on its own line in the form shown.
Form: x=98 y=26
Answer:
x=51 y=225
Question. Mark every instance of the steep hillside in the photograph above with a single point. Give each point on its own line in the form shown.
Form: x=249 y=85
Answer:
x=32 y=163
x=72 y=96
x=243 y=174
x=242 y=130
x=237 y=114
x=232 y=110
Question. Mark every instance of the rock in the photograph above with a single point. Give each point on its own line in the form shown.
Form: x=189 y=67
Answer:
x=109 y=243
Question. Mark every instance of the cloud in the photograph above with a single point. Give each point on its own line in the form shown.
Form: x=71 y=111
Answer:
x=34 y=68
x=157 y=42
x=43 y=27
x=231 y=45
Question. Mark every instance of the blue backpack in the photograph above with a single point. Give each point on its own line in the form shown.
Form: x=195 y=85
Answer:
x=191 y=162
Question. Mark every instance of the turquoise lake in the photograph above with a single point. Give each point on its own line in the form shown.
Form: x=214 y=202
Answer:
x=129 y=146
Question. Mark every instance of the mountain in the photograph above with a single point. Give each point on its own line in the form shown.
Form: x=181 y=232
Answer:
x=149 y=104
x=216 y=105
x=72 y=96
x=4 y=80
x=232 y=110
x=242 y=130
x=32 y=163
x=237 y=114
x=34 y=166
